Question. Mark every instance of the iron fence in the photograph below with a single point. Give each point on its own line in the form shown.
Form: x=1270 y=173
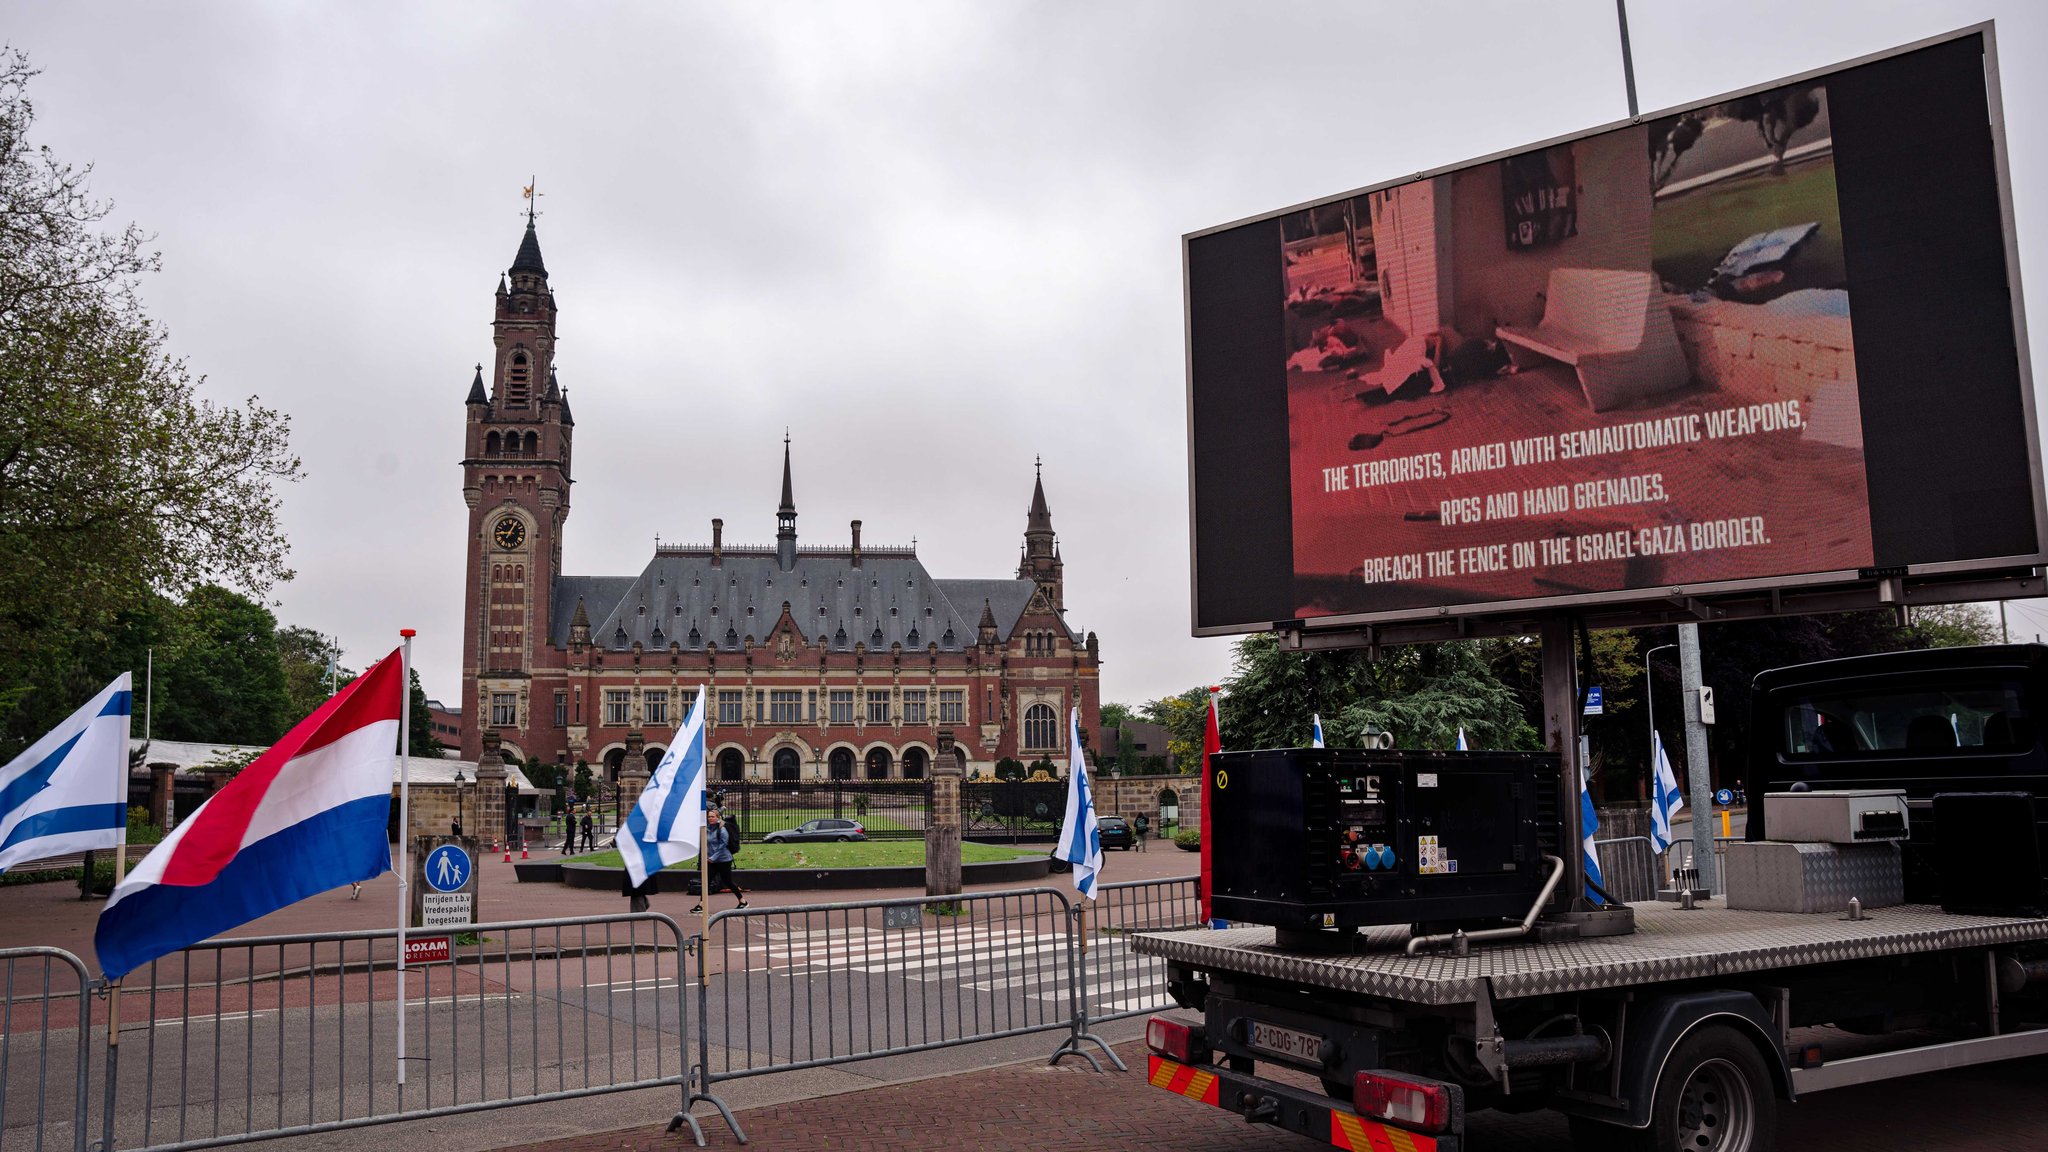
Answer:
x=887 y=809
x=240 y=1039
x=45 y=1024
x=1012 y=810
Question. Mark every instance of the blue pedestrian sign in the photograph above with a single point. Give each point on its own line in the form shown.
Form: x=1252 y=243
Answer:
x=447 y=868
x=1594 y=706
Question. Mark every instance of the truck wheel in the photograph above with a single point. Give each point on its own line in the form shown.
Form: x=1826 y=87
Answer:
x=1715 y=1096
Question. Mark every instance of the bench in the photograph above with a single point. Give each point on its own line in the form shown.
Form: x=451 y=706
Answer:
x=1611 y=328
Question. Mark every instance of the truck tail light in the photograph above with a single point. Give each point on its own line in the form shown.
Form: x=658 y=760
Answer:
x=1411 y=1103
x=1176 y=1040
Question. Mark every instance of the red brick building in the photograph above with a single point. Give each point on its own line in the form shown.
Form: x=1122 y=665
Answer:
x=840 y=660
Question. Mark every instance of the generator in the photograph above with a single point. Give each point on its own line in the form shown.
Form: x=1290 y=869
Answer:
x=1325 y=838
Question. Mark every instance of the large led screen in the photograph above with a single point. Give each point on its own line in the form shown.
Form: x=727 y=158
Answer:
x=1639 y=359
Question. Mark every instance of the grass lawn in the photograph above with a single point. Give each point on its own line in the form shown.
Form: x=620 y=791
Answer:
x=868 y=854
x=1690 y=233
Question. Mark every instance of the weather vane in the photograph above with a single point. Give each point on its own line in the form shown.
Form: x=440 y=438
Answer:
x=532 y=199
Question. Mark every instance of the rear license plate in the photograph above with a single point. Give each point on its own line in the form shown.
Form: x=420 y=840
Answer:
x=1291 y=1043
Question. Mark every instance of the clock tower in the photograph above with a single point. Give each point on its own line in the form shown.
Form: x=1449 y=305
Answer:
x=515 y=479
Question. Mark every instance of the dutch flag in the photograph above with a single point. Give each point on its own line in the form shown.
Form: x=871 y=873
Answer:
x=309 y=815
x=663 y=828
x=69 y=792
x=1080 y=836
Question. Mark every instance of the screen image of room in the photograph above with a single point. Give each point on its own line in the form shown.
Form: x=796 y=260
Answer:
x=1620 y=362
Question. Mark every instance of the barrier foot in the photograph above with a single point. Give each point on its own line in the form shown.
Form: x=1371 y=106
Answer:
x=696 y=1129
x=730 y=1121
x=1071 y=1046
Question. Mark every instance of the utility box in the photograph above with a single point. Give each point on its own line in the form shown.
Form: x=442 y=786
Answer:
x=1773 y=876
x=1312 y=838
x=1838 y=816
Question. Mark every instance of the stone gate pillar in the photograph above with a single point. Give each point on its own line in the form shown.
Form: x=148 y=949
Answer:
x=942 y=830
x=490 y=791
x=633 y=773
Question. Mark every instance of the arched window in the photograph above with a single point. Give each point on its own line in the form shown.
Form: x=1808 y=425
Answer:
x=913 y=763
x=841 y=762
x=788 y=768
x=732 y=765
x=518 y=381
x=1041 y=727
x=654 y=755
x=533 y=444
x=878 y=763
x=491 y=444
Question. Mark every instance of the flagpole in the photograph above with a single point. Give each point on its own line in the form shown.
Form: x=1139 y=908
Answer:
x=404 y=824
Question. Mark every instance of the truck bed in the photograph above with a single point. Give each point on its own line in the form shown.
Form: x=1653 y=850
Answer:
x=1668 y=944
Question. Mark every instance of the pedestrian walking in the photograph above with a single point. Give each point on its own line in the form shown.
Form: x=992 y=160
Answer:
x=721 y=840
x=569 y=826
x=1139 y=827
x=588 y=841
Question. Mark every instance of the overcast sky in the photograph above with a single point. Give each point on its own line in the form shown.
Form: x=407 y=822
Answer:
x=933 y=240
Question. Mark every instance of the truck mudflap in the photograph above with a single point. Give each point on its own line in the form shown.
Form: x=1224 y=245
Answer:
x=1311 y=1114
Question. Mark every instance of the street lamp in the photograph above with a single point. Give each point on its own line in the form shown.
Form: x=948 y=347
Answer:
x=461 y=782
x=1650 y=703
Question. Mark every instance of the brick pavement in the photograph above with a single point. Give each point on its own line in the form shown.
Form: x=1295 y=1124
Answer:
x=1029 y=1107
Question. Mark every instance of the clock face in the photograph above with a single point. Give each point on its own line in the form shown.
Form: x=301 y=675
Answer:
x=510 y=532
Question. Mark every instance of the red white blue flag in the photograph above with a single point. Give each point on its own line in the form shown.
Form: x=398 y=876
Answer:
x=309 y=815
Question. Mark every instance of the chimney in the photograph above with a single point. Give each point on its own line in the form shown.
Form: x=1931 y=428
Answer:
x=717 y=543
x=856 y=543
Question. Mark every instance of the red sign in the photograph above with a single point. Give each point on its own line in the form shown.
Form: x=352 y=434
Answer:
x=426 y=950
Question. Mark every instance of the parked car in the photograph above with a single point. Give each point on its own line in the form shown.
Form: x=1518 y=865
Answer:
x=827 y=829
x=1116 y=833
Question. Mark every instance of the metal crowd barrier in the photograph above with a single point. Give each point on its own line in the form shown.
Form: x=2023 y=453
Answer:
x=1630 y=867
x=45 y=1024
x=819 y=984
x=241 y=1039
x=1126 y=984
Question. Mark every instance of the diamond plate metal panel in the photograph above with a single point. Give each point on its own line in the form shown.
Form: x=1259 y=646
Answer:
x=1668 y=944
x=1770 y=876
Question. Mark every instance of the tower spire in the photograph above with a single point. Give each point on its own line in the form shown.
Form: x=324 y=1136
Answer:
x=785 y=516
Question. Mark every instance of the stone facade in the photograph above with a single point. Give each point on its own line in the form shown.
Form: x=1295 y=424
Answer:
x=840 y=661
x=1758 y=356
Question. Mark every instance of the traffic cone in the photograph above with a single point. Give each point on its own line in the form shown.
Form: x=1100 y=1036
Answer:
x=508 y=851
x=522 y=851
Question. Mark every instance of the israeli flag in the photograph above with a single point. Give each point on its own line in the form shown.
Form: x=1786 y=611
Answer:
x=1462 y=746
x=664 y=827
x=69 y=791
x=1316 y=741
x=1668 y=798
x=1589 y=827
x=1080 y=837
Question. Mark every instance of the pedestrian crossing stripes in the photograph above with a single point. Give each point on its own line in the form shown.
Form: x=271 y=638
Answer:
x=1002 y=961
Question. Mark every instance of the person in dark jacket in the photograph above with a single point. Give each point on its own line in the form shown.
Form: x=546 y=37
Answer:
x=719 y=838
x=588 y=842
x=569 y=824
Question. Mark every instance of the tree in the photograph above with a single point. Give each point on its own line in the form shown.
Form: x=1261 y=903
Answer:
x=1421 y=693
x=223 y=682
x=1116 y=715
x=306 y=657
x=585 y=783
x=1185 y=717
x=116 y=479
x=424 y=742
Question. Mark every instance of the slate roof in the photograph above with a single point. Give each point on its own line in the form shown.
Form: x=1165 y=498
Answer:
x=681 y=597
x=528 y=259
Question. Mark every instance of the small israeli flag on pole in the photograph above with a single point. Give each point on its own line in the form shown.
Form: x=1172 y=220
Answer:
x=1589 y=827
x=1316 y=741
x=1462 y=746
x=1080 y=836
x=1667 y=797
x=665 y=826
x=69 y=791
